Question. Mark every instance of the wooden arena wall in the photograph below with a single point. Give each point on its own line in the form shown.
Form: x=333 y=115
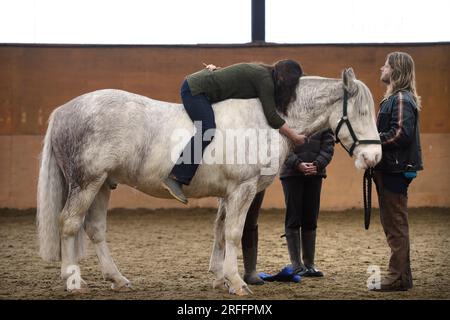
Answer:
x=35 y=79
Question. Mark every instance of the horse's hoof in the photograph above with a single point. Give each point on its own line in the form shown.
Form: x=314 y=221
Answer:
x=220 y=284
x=126 y=287
x=74 y=288
x=82 y=290
x=242 y=291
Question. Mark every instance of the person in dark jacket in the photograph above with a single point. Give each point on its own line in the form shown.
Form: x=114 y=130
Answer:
x=301 y=177
x=398 y=125
x=275 y=86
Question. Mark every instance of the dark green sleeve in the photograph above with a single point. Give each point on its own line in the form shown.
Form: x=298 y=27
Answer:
x=267 y=98
x=198 y=81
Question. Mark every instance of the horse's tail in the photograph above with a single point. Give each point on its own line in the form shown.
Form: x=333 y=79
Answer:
x=50 y=200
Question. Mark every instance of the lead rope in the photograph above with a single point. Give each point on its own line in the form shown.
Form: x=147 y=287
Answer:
x=367 y=190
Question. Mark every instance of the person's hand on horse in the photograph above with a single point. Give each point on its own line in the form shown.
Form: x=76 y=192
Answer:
x=298 y=139
x=293 y=135
x=210 y=67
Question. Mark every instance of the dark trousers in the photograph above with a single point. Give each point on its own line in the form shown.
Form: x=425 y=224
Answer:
x=251 y=220
x=394 y=219
x=201 y=113
x=302 y=198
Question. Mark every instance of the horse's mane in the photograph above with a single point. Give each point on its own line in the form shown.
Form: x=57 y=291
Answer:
x=361 y=94
x=363 y=98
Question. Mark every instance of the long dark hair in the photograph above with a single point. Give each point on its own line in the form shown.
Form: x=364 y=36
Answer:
x=286 y=75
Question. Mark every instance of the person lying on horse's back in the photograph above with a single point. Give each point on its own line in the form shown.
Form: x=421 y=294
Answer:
x=274 y=85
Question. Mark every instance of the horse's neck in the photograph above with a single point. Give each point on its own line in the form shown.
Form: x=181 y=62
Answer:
x=311 y=111
x=286 y=146
x=310 y=121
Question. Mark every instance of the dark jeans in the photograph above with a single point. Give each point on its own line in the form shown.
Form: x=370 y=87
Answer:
x=395 y=182
x=302 y=198
x=199 y=109
x=251 y=220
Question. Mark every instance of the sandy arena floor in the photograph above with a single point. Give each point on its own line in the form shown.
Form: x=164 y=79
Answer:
x=165 y=254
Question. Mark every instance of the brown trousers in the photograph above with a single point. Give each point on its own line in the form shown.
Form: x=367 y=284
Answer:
x=394 y=219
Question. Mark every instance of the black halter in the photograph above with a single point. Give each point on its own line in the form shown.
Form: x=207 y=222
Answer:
x=344 y=119
x=368 y=174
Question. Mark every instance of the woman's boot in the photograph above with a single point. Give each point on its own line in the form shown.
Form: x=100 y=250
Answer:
x=294 y=249
x=250 y=255
x=309 y=249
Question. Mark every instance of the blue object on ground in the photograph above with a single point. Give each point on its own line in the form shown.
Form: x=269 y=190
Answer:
x=285 y=275
x=410 y=174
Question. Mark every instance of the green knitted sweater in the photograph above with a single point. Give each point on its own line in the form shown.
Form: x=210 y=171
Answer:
x=239 y=81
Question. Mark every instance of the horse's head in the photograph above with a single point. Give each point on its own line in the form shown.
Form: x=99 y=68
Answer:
x=353 y=122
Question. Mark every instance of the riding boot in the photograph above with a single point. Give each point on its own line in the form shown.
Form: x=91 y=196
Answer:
x=250 y=255
x=175 y=189
x=309 y=250
x=294 y=249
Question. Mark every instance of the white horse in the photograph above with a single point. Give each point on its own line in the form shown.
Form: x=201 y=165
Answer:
x=110 y=136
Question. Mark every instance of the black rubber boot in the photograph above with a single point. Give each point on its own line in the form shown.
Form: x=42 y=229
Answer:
x=250 y=256
x=175 y=189
x=309 y=250
x=295 y=249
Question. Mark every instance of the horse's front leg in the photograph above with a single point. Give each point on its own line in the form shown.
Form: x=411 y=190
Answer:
x=237 y=205
x=218 y=252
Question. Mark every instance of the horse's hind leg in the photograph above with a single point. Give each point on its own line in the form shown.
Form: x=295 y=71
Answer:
x=71 y=220
x=95 y=226
x=218 y=252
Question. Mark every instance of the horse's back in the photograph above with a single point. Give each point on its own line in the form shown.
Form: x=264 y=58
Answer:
x=111 y=100
x=119 y=106
x=130 y=136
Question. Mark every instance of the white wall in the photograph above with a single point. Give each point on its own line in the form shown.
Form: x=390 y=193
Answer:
x=221 y=21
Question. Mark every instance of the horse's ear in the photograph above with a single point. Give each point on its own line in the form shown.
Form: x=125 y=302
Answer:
x=348 y=77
